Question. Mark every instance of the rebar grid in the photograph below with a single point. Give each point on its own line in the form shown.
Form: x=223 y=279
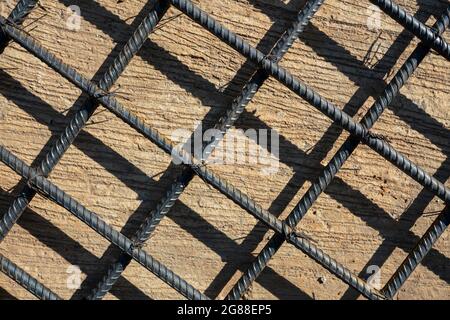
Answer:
x=81 y=117
x=52 y=192
x=176 y=189
x=268 y=67
x=416 y=27
x=221 y=184
x=338 y=160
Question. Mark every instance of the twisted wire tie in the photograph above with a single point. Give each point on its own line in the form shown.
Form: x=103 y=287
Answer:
x=35 y=173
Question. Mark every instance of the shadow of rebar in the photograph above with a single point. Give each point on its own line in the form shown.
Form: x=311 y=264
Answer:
x=122 y=169
x=5 y=295
x=427 y=126
x=233 y=253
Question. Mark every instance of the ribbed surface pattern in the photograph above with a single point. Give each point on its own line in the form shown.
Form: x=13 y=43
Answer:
x=421 y=31
x=336 y=163
x=17 y=15
x=417 y=254
x=267 y=66
x=226 y=122
x=25 y=280
x=82 y=116
x=315 y=99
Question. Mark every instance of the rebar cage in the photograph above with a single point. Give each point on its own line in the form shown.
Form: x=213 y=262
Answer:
x=267 y=66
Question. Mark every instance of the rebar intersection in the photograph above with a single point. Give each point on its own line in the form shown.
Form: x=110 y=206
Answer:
x=268 y=66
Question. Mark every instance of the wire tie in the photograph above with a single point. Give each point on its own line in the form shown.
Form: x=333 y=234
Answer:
x=37 y=173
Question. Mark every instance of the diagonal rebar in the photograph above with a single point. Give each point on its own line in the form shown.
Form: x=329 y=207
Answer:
x=337 y=161
x=382 y=147
x=284 y=230
x=24 y=279
x=419 y=29
x=343 y=119
x=17 y=15
x=417 y=254
x=288 y=233
x=175 y=190
x=54 y=193
x=83 y=115
x=112 y=104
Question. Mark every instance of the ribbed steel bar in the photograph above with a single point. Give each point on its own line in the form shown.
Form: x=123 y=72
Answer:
x=132 y=120
x=83 y=115
x=358 y=130
x=289 y=234
x=316 y=100
x=276 y=54
x=22 y=10
x=90 y=88
x=338 y=160
x=417 y=254
x=175 y=190
x=54 y=193
x=112 y=104
x=145 y=230
x=419 y=29
x=21 y=277
x=17 y=15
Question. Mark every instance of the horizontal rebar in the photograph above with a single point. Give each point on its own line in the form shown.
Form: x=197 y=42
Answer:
x=176 y=189
x=337 y=161
x=417 y=254
x=82 y=116
x=416 y=27
x=54 y=193
x=24 y=279
x=315 y=99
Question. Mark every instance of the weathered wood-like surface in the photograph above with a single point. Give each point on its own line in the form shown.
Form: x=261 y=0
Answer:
x=371 y=215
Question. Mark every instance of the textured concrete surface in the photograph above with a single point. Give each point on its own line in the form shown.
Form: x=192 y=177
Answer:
x=371 y=215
